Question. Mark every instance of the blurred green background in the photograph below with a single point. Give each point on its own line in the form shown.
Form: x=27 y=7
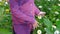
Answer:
x=50 y=24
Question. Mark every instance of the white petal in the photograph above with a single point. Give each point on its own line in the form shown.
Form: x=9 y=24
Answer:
x=54 y=26
x=56 y=12
x=39 y=17
x=59 y=0
x=56 y=32
x=57 y=19
x=58 y=4
x=40 y=6
x=39 y=32
x=0 y=0
x=6 y=2
x=48 y=0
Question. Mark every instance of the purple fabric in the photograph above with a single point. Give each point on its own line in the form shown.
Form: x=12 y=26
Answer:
x=37 y=11
x=23 y=12
x=22 y=28
x=21 y=2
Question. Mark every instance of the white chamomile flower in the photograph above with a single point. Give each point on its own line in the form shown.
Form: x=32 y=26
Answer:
x=6 y=2
x=39 y=17
x=56 y=12
x=59 y=0
x=39 y=32
x=0 y=0
x=48 y=0
x=49 y=8
x=40 y=6
x=54 y=26
x=44 y=28
x=58 y=4
x=57 y=19
x=56 y=32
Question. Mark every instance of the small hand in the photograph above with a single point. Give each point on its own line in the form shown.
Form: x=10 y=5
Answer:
x=42 y=14
x=35 y=25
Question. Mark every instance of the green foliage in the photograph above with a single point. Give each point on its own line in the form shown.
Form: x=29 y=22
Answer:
x=48 y=24
x=5 y=18
x=51 y=22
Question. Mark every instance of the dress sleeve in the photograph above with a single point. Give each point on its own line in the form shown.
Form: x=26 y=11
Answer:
x=37 y=11
x=20 y=15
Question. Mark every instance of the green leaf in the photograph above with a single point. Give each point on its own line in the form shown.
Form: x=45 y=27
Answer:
x=47 y=22
x=4 y=31
x=58 y=25
x=1 y=10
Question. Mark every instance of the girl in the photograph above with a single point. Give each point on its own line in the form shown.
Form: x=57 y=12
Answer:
x=23 y=15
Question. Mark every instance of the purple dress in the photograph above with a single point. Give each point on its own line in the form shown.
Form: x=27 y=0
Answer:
x=23 y=15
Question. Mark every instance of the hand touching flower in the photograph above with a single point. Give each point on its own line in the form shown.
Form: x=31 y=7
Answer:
x=41 y=14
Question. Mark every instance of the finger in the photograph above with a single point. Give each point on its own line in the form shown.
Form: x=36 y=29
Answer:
x=34 y=28
x=37 y=25
x=42 y=13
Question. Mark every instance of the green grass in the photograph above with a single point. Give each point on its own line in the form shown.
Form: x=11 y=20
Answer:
x=4 y=31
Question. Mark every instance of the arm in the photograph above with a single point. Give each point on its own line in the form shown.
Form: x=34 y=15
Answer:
x=37 y=11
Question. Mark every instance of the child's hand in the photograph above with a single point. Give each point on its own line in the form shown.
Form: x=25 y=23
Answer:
x=42 y=14
x=35 y=25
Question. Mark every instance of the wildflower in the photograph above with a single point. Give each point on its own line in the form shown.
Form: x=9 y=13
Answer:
x=6 y=2
x=58 y=4
x=56 y=12
x=40 y=6
x=7 y=10
x=57 y=19
x=45 y=28
x=39 y=17
x=56 y=32
x=48 y=0
x=54 y=26
x=49 y=8
x=59 y=0
x=39 y=32
x=0 y=0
